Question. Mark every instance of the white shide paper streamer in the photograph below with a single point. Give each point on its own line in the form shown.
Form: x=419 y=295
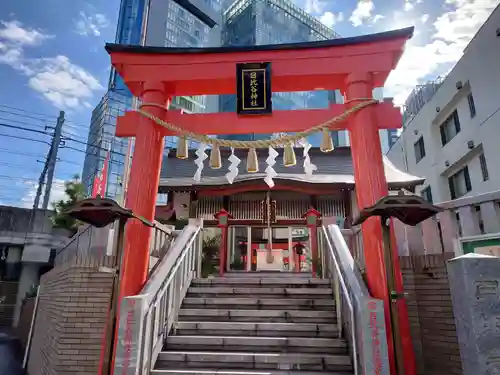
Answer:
x=200 y=161
x=309 y=167
x=270 y=172
x=234 y=162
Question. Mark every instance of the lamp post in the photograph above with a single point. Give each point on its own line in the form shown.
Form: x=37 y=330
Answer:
x=100 y=212
x=410 y=210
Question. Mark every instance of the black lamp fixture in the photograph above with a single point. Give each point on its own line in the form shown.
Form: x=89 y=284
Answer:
x=411 y=210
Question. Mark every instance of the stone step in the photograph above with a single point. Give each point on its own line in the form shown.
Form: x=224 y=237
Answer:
x=259 y=329
x=257 y=344
x=247 y=360
x=260 y=292
x=263 y=274
x=282 y=282
x=259 y=304
x=203 y=371
x=278 y=316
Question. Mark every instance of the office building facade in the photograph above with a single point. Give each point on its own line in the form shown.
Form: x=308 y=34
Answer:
x=261 y=22
x=452 y=140
x=169 y=23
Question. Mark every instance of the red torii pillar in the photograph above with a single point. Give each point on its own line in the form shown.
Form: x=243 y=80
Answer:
x=355 y=65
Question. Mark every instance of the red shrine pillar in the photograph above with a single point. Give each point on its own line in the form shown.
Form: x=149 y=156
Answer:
x=371 y=185
x=222 y=217
x=312 y=217
x=142 y=191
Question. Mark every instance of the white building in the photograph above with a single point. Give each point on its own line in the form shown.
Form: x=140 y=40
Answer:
x=454 y=139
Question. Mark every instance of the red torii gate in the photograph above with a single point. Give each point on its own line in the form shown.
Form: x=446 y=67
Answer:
x=354 y=65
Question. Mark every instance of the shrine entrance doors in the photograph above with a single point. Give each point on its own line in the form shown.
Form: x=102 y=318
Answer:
x=250 y=249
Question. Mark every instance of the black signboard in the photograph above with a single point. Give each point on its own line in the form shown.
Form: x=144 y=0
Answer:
x=253 y=85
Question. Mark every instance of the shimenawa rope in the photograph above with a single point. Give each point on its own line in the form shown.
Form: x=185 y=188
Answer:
x=283 y=140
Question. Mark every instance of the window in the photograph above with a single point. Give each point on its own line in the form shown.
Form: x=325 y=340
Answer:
x=484 y=167
x=460 y=183
x=427 y=194
x=419 y=147
x=450 y=128
x=472 y=106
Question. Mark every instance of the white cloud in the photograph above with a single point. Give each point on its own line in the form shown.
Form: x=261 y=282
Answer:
x=91 y=25
x=377 y=17
x=329 y=19
x=63 y=83
x=56 y=193
x=66 y=85
x=453 y=31
x=408 y=6
x=315 y=6
x=424 y=18
x=14 y=33
x=363 y=12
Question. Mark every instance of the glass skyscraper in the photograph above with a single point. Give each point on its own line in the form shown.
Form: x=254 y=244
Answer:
x=261 y=22
x=168 y=23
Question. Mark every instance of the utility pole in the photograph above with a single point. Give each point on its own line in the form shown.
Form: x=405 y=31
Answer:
x=51 y=160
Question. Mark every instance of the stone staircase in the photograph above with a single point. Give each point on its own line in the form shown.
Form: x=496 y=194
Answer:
x=256 y=324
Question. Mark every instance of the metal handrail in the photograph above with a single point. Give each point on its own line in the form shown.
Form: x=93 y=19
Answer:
x=340 y=278
x=367 y=322
x=146 y=318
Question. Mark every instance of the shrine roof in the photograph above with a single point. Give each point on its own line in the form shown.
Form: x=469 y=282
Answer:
x=378 y=37
x=334 y=168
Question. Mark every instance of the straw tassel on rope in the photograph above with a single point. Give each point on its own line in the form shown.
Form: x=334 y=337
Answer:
x=252 y=161
x=326 y=141
x=182 y=148
x=289 y=159
x=215 y=158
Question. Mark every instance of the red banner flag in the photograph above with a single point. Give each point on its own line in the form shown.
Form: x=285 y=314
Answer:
x=101 y=180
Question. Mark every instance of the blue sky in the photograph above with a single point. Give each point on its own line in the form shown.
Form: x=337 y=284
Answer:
x=52 y=58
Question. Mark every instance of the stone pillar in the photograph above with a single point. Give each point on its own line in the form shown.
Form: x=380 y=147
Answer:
x=490 y=214
x=29 y=277
x=415 y=241
x=312 y=219
x=222 y=217
x=142 y=191
x=469 y=221
x=449 y=230
x=430 y=231
x=475 y=291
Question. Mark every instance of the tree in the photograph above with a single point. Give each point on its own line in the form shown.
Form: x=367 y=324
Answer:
x=74 y=191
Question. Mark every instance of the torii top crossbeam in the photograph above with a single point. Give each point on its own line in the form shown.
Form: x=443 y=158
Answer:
x=296 y=67
x=354 y=65
x=323 y=65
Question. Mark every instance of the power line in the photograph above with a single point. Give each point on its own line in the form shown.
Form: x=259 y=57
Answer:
x=26 y=111
x=24 y=138
x=24 y=129
x=23 y=179
x=21 y=153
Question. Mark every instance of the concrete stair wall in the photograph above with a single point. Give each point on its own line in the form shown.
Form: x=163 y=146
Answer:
x=256 y=324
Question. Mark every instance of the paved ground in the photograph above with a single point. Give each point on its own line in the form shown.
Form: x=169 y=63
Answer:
x=10 y=363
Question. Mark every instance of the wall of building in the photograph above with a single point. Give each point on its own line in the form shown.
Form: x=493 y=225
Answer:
x=70 y=321
x=430 y=310
x=27 y=245
x=479 y=74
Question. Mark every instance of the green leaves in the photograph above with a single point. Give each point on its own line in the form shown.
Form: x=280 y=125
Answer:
x=74 y=191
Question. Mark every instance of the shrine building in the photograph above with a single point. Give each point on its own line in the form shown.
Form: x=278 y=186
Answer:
x=248 y=209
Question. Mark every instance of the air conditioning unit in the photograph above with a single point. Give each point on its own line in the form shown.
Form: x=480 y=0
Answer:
x=447 y=163
x=459 y=85
x=470 y=144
